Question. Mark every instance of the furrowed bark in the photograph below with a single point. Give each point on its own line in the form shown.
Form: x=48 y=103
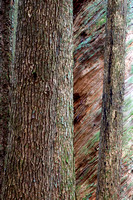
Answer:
x=40 y=150
x=113 y=95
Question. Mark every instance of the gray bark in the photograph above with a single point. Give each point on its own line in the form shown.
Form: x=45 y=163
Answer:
x=113 y=95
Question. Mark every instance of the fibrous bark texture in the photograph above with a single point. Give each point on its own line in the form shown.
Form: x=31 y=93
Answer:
x=110 y=144
x=89 y=37
x=40 y=150
x=4 y=83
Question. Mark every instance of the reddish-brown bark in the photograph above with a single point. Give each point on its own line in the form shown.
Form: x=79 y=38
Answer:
x=89 y=37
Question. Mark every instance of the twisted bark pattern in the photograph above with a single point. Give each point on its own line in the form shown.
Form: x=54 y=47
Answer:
x=89 y=38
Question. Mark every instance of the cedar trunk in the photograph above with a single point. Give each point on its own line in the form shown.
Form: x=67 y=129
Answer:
x=40 y=162
x=113 y=94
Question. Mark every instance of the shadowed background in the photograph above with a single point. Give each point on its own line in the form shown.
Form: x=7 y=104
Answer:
x=89 y=37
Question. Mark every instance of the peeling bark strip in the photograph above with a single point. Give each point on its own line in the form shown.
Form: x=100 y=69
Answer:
x=113 y=94
x=4 y=82
x=40 y=153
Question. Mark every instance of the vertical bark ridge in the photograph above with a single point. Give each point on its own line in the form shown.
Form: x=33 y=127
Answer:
x=89 y=37
x=40 y=159
x=113 y=96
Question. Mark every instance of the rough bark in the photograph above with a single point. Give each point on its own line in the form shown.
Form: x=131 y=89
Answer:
x=4 y=81
x=40 y=150
x=89 y=37
x=113 y=95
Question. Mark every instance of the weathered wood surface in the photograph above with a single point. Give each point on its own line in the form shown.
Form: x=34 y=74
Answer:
x=89 y=37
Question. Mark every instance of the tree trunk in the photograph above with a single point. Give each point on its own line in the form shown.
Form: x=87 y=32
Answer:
x=4 y=82
x=113 y=93
x=40 y=151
